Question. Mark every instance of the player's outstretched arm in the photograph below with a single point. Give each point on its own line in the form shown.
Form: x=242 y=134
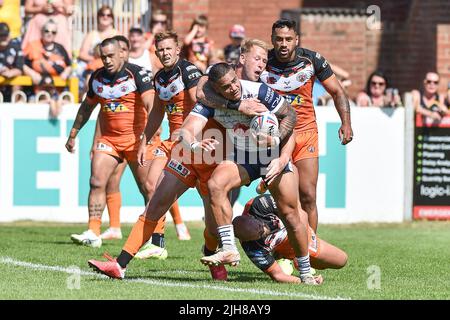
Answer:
x=342 y=106
x=276 y=273
x=83 y=115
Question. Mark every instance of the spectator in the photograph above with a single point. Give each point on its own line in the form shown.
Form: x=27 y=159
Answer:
x=158 y=23
x=105 y=29
x=198 y=48
x=45 y=58
x=10 y=14
x=447 y=99
x=233 y=50
x=42 y=11
x=139 y=54
x=376 y=94
x=11 y=59
x=427 y=101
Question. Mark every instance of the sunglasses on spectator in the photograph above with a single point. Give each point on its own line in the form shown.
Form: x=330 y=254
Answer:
x=431 y=81
x=374 y=83
x=159 y=22
x=50 y=31
x=109 y=15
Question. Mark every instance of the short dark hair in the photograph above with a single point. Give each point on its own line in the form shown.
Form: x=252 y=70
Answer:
x=109 y=41
x=378 y=73
x=121 y=38
x=136 y=30
x=218 y=71
x=284 y=23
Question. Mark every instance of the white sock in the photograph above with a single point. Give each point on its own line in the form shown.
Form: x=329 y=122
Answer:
x=226 y=234
x=304 y=266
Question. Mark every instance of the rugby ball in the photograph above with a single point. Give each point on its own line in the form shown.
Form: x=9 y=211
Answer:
x=286 y=266
x=267 y=123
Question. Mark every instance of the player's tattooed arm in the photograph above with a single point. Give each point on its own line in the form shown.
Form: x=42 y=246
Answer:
x=84 y=112
x=287 y=116
x=83 y=115
x=207 y=96
x=342 y=107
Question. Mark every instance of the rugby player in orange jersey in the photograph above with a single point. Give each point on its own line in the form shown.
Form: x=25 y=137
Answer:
x=125 y=94
x=175 y=85
x=113 y=195
x=291 y=71
x=264 y=239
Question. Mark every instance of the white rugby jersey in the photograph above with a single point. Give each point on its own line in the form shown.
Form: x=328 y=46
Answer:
x=235 y=122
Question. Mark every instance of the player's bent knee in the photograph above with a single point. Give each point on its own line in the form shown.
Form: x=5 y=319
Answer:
x=96 y=183
x=308 y=197
x=149 y=188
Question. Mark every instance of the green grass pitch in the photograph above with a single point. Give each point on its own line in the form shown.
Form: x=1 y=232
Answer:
x=386 y=261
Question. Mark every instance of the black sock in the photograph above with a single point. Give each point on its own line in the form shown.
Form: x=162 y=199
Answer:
x=158 y=240
x=124 y=258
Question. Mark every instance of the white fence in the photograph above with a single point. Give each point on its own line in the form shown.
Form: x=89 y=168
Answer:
x=40 y=180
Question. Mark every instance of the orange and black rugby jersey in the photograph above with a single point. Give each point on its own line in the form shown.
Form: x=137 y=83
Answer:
x=295 y=80
x=172 y=86
x=123 y=115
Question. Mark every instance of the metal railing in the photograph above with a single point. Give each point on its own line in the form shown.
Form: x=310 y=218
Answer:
x=127 y=13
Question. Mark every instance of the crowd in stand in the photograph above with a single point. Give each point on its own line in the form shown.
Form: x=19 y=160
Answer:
x=45 y=52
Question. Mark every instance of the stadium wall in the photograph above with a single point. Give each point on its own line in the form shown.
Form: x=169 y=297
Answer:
x=40 y=180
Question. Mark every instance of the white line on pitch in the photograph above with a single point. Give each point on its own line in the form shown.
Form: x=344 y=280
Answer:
x=34 y=266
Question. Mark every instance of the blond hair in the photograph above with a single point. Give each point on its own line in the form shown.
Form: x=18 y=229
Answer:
x=248 y=44
x=166 y=35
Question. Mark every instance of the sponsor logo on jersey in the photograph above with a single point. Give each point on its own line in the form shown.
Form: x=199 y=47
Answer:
x=124 y=88
x=269 y=95
x=198 y=108
x=248 y=96
x=99 y=89
x=159 y=153
x=103 y=147
x=275 y=102
x=189 y=68
x=114 y=107
x=302 y=77
x=178 y=168
x=194 y=75
x=174 y=108
x=325 y=64
x=146 y=79
x=311 y=149
x=271 y=80
x=294 y=99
